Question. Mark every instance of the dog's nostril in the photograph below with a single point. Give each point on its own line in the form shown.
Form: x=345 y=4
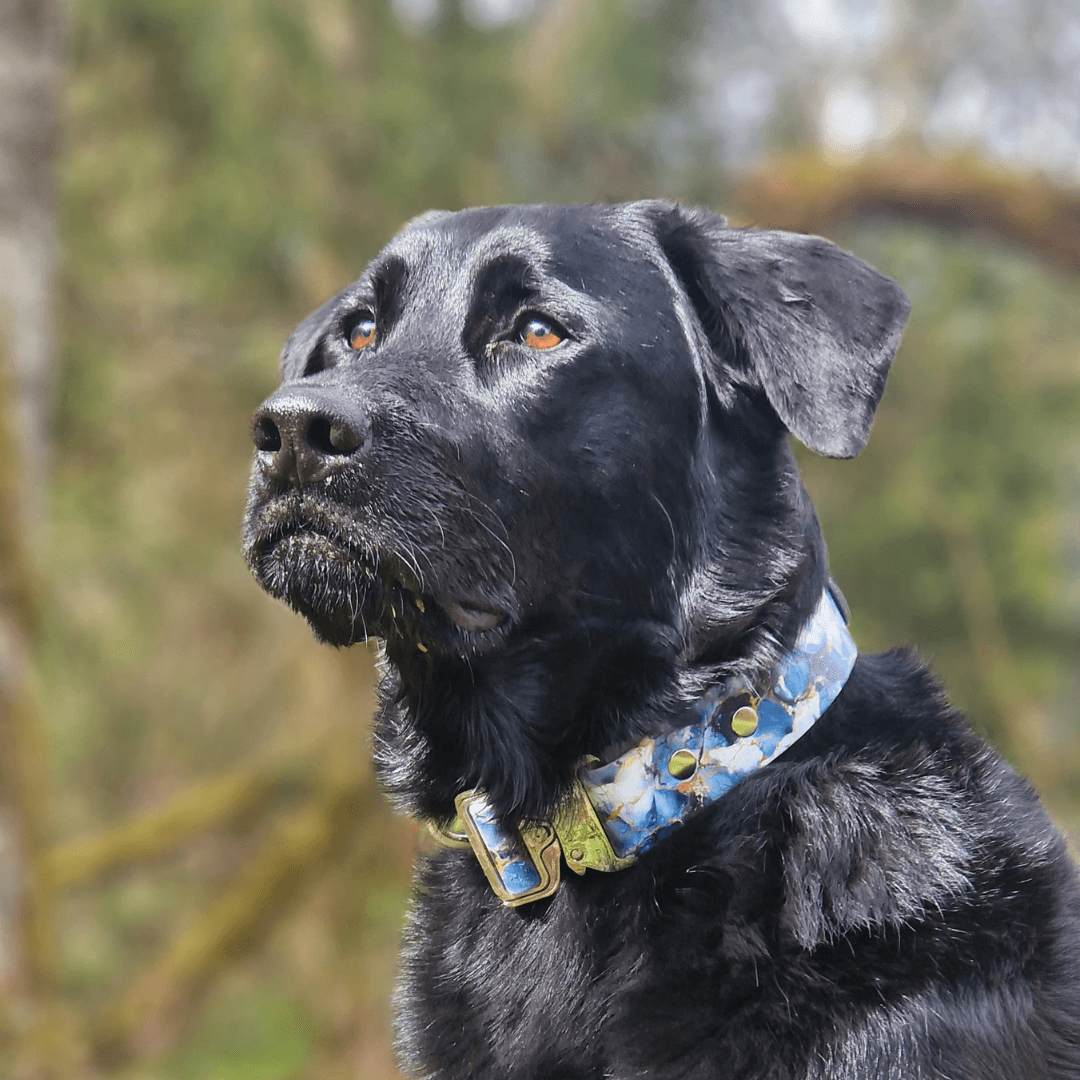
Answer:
x=345 y=438
x=265 y=434
x=339 y=437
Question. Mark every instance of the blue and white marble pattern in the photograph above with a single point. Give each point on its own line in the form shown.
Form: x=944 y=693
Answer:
x=511 y=859
x=636 y=797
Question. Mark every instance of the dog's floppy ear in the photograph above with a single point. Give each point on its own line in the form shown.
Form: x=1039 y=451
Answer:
x=811 y=326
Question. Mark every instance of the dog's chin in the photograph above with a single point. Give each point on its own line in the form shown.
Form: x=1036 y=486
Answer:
x=346 y=598
x=336 y=592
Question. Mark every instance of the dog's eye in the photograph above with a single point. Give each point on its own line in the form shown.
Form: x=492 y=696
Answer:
x=540 y=334
x=362 y=332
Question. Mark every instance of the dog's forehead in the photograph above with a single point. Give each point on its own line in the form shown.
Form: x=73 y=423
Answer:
x=602 y=259
x=583 y=245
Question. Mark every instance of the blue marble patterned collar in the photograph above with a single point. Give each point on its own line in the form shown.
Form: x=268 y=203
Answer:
x=621 y=809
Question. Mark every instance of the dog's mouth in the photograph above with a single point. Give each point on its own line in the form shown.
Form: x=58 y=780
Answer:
x=350 y=588
x=323 y=577
x=474 y=617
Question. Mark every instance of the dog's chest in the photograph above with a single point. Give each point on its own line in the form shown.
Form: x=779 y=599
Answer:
x=751 y=946
x=613 y=972
x=486 y=989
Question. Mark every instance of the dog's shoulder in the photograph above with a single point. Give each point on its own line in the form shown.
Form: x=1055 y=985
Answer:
x=892 y=813
x=890 y=869
x=895 y=809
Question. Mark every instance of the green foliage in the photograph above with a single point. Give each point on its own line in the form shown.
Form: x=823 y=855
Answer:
x=260 y=1034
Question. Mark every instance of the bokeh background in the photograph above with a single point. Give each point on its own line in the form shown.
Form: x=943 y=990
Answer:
x=198 y=877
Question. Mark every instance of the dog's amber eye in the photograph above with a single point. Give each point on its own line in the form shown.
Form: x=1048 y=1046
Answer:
x=539 y=334
x=362 y=333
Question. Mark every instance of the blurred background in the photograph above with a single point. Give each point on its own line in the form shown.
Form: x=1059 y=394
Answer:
x=198 y=877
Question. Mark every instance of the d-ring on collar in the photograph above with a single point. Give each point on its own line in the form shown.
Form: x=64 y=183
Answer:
x=617 y=811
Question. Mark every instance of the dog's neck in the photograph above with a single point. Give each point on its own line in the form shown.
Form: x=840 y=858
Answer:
x=617 y=811
x=518 y=720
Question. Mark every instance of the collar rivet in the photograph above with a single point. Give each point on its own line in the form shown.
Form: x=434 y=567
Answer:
x=682 y=764
x=744 y=722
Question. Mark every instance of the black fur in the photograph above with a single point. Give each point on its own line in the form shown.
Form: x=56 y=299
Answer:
x=561 y=549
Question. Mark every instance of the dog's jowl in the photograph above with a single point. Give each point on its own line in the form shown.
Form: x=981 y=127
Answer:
x=543 y=454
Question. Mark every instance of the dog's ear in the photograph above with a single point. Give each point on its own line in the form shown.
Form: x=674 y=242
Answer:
x=811 y=326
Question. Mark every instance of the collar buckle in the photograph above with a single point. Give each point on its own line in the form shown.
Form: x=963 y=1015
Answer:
x=524 y=865
x=521 y=865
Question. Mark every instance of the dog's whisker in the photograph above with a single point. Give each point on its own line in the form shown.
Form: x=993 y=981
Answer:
x=438 y=523
x=502 y=543
x=671 y=524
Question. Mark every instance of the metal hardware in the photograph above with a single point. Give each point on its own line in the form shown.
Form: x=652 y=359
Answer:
x=585 y=844
x=543 y=847
x=450 y=835
x=520 y=866
x=745 y=721
x=525 y=865
x=682 y=764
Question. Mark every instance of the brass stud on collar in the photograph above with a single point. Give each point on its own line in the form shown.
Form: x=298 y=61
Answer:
x=682 y=764
x=745 y=721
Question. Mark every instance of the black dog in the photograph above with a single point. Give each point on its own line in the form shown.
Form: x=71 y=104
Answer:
x=542 y=452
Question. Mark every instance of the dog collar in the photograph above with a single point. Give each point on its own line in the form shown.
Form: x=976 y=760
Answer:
x=618 y=811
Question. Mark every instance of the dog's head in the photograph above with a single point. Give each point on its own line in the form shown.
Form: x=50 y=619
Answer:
x=530 y=425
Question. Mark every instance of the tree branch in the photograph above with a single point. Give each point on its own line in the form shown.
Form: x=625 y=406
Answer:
x=149 y=1015
x=813 y=194
x=195 y=811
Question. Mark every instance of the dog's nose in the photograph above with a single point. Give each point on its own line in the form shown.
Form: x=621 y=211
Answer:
x=303 y=435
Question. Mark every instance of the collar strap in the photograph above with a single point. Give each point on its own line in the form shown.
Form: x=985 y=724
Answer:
x=618 y=811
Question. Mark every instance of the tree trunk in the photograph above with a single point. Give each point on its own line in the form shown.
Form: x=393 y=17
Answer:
x=30 y=52
x=30 y=59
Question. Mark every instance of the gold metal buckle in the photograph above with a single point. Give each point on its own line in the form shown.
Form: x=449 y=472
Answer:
x=575 y=835
x=450 y=835
x=539 y=842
